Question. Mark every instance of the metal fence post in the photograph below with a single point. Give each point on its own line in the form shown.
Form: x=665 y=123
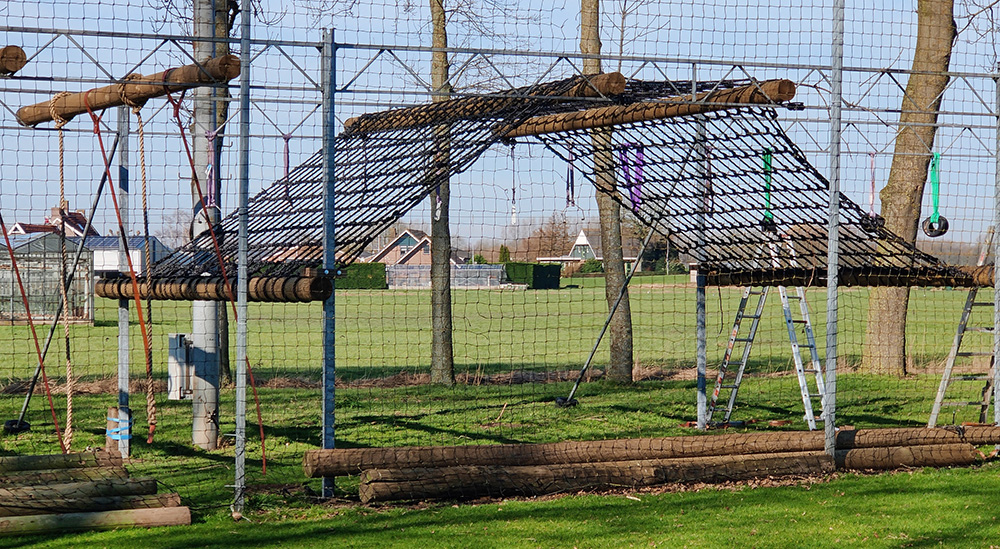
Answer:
x=996 y=254
x=241 y=265
x=833 y=227
x=701 y=356
x=329 y=65
x=124 y=413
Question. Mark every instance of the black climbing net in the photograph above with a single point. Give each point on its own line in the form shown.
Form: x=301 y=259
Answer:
x=727 y=187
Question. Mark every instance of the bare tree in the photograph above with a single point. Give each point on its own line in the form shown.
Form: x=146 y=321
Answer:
x=620 y=329
x=885 y=339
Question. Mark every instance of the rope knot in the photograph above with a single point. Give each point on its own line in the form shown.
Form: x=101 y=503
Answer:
x=59 y=120
x=135 y=105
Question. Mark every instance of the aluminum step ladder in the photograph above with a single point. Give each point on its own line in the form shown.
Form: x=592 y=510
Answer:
x=745 y=343
x=942 y=399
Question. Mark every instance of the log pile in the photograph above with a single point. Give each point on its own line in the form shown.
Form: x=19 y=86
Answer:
x=462 y=472
x=86 y=491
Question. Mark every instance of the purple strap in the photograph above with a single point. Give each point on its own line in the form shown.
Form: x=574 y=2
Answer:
x=632 y=171
x=570 y=182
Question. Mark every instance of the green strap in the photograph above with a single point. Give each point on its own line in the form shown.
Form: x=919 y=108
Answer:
x=767 y=184
x=935 y=187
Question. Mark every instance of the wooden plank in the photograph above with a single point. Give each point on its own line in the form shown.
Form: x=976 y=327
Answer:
x=503 y=481
x=58 y=461
x=96 y=503
x=484 y=106
x=768 y=92
x=137 y=89
x=894 y=457
x=104 y=487
x=61 y=476
x=101 y=520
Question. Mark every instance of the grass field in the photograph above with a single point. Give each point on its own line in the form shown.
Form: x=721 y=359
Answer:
x=382 y=334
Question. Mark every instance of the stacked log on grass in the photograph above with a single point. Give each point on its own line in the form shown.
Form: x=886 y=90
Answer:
x=459 y=472
x=86 y=491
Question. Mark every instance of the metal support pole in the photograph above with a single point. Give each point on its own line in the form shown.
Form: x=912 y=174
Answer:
x=205 y=314
x=833 y=226
x=241 y=265
x=996 y=254
x=124 y=412
x=329 y=64
x=700 y=313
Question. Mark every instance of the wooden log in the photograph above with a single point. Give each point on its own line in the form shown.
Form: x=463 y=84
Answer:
x=12 y=59
x=60 y=476
x=101 y=520
x=138 y=89
x=97 y=503
x=290 y=289
x=58 y=461
x=770 y=91
x=473 y=107
x=850 y=276
x=351 y=461
x=105 y=487
x=894 y=457
x=504 y=481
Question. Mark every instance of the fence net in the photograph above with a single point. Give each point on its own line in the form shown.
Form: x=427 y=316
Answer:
x=513 y=162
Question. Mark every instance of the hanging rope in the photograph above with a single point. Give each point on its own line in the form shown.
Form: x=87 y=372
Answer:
x=146 y=345
x=872 y=222
x=936 y=224
x=63 y=290
x=767 y=223
x=513 y=187
x=176 y=104
x=136 y=107
x=34 y=335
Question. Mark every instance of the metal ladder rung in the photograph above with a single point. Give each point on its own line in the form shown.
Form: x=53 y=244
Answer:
x=742 y=339
x=971 y=353
x=727 y=386
x=750 y=316
x=980 y=329
x=970 y=378
x=982 y=304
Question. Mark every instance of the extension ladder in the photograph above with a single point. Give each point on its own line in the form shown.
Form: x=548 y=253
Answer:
x=947 y=378
x=792 y=324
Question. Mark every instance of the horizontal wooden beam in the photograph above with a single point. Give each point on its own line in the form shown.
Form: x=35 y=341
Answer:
x=137 y=89
x=58 y=476
x=287 y=289
x=58 y=461
x=12 y=59
x=351 y=461
x=104 y=487
x=96 y=503
x=599 y=85
x=849 y=276
x=894 y=457
x=101 y=520
x=767 y=92
x=537 y=480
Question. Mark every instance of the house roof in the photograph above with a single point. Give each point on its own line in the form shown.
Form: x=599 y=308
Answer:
x=40 y=242
x=415 y=234
x=31 y=228
x=101 y=243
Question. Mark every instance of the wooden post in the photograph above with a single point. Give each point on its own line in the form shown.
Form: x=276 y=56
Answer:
x=12 y=59
x=137 y=89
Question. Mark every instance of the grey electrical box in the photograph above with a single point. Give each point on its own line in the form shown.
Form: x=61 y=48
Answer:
x=180 y=370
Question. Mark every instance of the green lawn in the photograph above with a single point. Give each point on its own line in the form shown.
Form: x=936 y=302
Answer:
x=383 y=333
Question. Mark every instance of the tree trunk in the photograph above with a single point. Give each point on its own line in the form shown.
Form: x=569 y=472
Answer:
x=442 y=358
x=620 y=329
x=885 y=340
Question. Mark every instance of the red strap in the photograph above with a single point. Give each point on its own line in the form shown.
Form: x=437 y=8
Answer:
x=147 y=346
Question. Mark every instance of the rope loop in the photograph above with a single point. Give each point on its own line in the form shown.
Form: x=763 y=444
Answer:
x=59 y=120
x=135 y=105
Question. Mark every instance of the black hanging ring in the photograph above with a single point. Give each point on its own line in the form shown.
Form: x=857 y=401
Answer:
x=768 y=225
x=935 y=230
x=871 y=223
